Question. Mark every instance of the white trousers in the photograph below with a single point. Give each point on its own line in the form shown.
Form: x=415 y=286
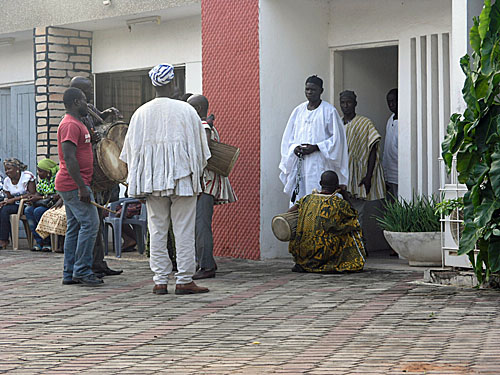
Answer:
x=183 y=213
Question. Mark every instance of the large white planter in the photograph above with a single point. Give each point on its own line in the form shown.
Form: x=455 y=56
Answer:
x=420 y=248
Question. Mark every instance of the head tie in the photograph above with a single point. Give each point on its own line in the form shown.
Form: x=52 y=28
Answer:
x=48 y=165
x=161 y=74
x=16 y=163
x=348 y=94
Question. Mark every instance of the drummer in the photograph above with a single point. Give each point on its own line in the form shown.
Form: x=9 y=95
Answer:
x=328 y=237
x=217 y=190
x=94 y=118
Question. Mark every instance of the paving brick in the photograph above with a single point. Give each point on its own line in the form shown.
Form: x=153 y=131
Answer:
x=258 y=318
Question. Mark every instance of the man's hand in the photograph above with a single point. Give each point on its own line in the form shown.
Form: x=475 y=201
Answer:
x=95 y=137
x=113 y=112
x=84 y=194
x=58 y=204
x=367 y=181
x=309 y=149
x=298 y=151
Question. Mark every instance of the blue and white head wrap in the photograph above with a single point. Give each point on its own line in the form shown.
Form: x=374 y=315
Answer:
x=161 y=74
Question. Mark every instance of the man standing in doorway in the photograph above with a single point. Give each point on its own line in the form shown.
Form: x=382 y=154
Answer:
x=314 y=141
x=93 y=118
x=390 y=161
x=166 y=151
x=366 y=180
x=73 y=185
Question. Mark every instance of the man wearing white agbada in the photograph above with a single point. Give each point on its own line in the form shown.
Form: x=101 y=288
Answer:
x=314 y=141
x=166 y=150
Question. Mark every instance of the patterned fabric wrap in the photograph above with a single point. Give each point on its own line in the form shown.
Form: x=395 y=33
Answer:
x=47 y=186
x=53 y=221
x=361 y=136
x=328 y=237
x=16 y=163
x=161 y=74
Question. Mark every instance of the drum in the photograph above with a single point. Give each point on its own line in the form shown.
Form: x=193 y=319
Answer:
x=285 y=225
x=108 y=168
x=117 y=132
x=223 y=158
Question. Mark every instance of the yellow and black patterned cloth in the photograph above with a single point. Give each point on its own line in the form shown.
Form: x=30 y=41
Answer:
x=328 y=237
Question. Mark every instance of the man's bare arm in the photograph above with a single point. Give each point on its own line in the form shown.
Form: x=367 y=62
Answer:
x=69 y=154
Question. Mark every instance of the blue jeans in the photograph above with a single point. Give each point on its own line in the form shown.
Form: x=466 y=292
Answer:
x=81 y=232
x=33 y=215
x=5 y=213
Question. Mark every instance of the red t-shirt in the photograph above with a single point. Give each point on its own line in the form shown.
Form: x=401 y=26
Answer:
x=72 y=130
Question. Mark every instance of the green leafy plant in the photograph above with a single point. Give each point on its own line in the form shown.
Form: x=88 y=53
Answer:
x=417 y=215
x=447 y=206
x=474 y=139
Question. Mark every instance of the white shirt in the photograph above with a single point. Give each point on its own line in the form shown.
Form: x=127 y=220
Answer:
x=390 y=160
x=22 y=185
x=322 y=127
x=166 y=149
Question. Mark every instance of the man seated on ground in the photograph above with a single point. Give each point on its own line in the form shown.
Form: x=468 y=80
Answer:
x=328 y=237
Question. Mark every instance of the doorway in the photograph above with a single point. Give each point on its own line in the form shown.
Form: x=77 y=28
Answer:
x=370 y=73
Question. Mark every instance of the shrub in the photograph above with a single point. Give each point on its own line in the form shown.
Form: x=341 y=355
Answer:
x=417 y=215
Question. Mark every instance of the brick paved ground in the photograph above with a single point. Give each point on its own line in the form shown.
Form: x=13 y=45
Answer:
x=259 y=318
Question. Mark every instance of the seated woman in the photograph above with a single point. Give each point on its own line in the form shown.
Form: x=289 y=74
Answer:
x=44 y=198
x=328 y=237
x=18 y=184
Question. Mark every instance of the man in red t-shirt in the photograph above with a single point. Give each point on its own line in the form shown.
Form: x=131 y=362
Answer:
x=73 y=185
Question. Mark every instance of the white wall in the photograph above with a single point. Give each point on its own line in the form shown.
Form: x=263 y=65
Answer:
x=16 y=63
x=173 y=41
x=369 y=21
x=358 y=23
x=293 y=46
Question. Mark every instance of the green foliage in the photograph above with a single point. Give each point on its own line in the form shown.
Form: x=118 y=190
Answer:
x=446 y=207
x=418 y=215
x=474 y=139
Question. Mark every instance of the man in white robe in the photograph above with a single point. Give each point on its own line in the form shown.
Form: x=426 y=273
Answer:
x=166 y=151
x=315 y=135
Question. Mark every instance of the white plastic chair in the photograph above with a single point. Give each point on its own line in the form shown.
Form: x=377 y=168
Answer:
x=14 y=227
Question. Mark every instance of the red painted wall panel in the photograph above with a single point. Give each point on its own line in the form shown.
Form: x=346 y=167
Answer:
x=230 y=60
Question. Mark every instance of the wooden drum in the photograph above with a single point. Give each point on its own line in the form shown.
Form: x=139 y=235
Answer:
x=117 y=132
x=285 y=225
x=108 y=168
x=223 y=158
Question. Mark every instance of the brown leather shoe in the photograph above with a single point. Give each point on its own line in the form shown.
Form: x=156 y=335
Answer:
x=204 y=274
x=160 y=289
x=190 y=288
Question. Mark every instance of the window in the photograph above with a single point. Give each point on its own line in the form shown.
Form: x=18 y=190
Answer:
x=128 y=90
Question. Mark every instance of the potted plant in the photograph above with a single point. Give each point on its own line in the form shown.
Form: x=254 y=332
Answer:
x=412 y=229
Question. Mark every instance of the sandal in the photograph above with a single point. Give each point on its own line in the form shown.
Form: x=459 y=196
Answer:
x=36 y=248
x=47 y=248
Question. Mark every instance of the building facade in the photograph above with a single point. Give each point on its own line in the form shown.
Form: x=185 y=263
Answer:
x=250 y=58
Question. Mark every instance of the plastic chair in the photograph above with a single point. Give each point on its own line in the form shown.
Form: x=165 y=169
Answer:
x=14 y=227
x=138 y=222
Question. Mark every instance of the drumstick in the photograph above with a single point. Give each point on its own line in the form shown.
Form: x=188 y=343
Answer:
x=104 y=208
x=95 y=115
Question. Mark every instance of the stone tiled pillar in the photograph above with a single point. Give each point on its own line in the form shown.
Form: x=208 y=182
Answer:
x=60 y=54
x=230 y=55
